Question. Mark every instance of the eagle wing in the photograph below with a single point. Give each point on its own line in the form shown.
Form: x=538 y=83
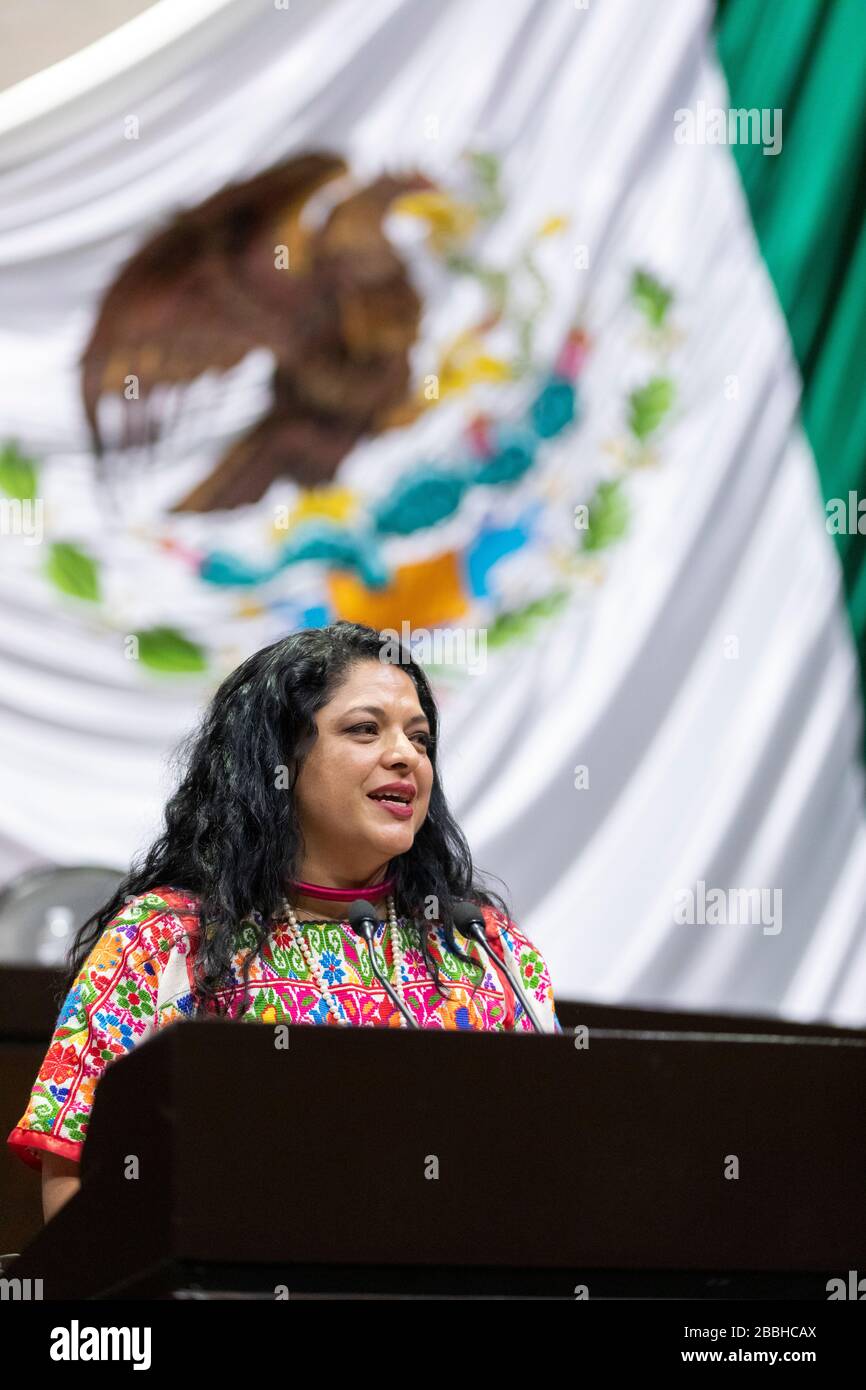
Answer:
x=203 y=292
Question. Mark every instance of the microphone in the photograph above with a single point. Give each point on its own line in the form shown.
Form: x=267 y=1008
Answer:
x=469 y=920
x=362 y=918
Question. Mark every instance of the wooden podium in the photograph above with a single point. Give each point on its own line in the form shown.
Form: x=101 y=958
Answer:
x=384 y=1161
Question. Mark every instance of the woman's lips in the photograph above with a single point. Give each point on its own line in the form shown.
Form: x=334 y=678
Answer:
x=397 y=808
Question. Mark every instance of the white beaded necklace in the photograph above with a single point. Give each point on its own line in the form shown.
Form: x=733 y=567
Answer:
x=319 y=975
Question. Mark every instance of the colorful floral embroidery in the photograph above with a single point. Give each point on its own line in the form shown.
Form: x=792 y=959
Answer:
x=531 y=969
x=138 y=978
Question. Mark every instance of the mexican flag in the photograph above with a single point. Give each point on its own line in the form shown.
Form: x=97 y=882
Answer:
x=636 y=475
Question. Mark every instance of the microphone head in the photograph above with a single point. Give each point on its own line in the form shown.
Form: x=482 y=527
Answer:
x=362 y=914
x=468 y=917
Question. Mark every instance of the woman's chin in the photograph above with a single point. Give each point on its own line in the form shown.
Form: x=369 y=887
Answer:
x=394 y=839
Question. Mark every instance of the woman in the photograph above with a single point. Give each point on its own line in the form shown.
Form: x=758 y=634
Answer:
x=311 y=782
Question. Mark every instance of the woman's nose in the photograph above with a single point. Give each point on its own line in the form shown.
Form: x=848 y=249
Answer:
x=404 y=750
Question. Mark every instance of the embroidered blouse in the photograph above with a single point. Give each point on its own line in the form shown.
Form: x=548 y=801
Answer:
x=138 y=978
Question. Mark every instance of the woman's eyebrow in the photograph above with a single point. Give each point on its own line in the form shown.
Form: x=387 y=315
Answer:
x=377 y=709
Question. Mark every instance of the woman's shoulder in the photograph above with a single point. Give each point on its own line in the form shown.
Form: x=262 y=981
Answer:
x=159 y=911
x=499 y=923
x=136 y=942
x=533 y=968
x=162 y=899
x=145 y=931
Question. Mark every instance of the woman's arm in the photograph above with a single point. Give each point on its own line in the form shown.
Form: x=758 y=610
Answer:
x=60 y=1180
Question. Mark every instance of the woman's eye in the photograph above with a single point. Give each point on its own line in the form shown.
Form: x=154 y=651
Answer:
x=426 y=739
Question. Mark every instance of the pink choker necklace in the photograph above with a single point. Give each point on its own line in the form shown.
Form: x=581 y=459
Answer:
x=371 y=891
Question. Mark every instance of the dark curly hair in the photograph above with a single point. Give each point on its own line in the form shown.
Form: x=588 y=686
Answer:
x=232 y=836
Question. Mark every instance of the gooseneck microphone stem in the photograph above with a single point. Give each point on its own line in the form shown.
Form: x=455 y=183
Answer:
x=469 y=921
x=362 y=918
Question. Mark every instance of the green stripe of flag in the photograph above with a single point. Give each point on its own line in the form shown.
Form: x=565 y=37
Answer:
x=808 y=206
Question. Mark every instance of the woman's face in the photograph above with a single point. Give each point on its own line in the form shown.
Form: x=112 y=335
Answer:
x=371 y=733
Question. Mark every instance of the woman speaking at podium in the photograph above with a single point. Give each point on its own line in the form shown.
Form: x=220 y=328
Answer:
x=312 y=782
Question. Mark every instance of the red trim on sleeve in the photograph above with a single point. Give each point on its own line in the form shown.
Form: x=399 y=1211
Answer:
x=23 y=1141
